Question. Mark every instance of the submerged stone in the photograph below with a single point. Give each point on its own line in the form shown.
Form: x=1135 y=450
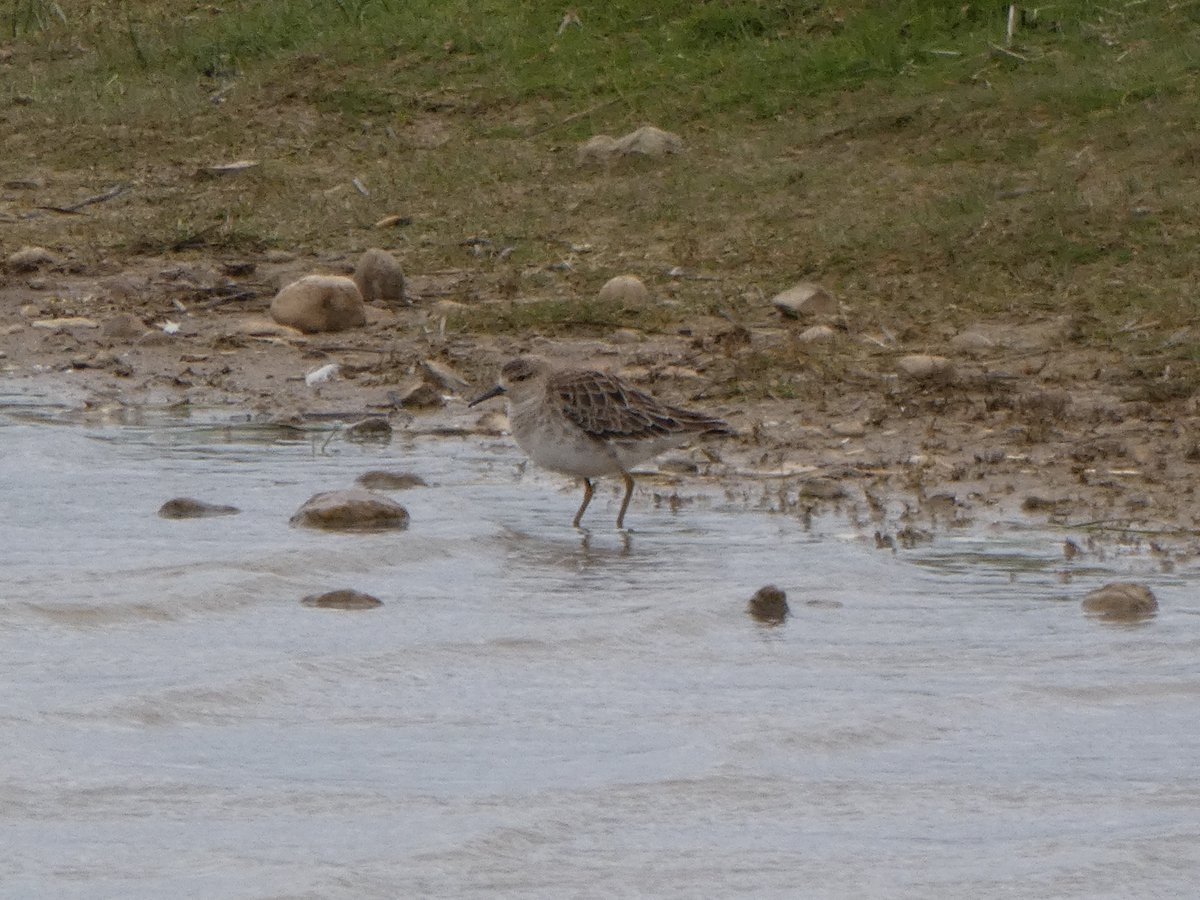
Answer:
x=373 y=430
x=342 y=599
x=1121 y=601
x=352 y=510
x=187 y=508
x=379 y=480
x=769 y=605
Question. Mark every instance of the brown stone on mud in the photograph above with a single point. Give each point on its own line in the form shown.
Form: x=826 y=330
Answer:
x=445 y=375
x=374 y=429
x=417 y=393
x=1122 y=601
x=355 y=509
x=624 y=289
x=187 y=508
x=972 y=343
x=379 y=277
x=319 y=303
x=805 y=300
x=822 y=489
x=343 y=599
x=769 y=605
x=926 y=368
x=30 y=259
x=379 y=480
x=816 y=334
x=124 y=325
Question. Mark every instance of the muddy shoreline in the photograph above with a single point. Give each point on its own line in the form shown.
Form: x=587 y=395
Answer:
x=1027 y=428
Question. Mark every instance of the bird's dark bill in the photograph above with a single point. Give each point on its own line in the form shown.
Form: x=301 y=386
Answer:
x=487 y=395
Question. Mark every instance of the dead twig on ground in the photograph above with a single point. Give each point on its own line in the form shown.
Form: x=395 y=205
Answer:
x=88 y=201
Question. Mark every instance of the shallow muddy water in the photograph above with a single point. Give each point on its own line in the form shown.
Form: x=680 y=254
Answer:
x=532 y=714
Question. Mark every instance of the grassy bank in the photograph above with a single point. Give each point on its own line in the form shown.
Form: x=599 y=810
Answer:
x=902 y=152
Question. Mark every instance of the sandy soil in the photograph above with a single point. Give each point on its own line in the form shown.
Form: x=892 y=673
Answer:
x=1026 y=428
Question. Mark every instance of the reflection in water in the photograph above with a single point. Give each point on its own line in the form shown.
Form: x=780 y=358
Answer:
x=537 y=711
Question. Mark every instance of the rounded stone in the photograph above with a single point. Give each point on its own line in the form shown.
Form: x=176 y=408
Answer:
x=30 y=259
x=355 y=509
x=649 y=141
x=317 y=303
x=342 y=599
x=624 y=289
x=372 y=430
x=804 y=301
x=769 y=605
x=123 y=325
x=923 y=367
x=972 y=343
x=187 y=508
x=1121 y=600
x=595 y=150
x=378 y=480
x=380 y=277
x=816 y=334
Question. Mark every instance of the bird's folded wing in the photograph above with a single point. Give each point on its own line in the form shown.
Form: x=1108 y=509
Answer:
x=608 y=409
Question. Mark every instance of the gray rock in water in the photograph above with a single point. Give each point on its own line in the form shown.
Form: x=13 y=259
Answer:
x=343 y=599
x=351 y=510
x=769 y=605
x=187 y=508
x=379 y=480
x=379 y=277
x=1121 y=601
x=319 y=303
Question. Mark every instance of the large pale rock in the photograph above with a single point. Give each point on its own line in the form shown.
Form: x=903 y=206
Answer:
x=647 y=141
x=30 y=259
x=805 y=300
x=972 y=343
x=816 y=334
x=351 y=510
x=625 y=289
x=596 y=150
x=923 y=367
x=319 y=303
x=1121 y=600
x=379 y=277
